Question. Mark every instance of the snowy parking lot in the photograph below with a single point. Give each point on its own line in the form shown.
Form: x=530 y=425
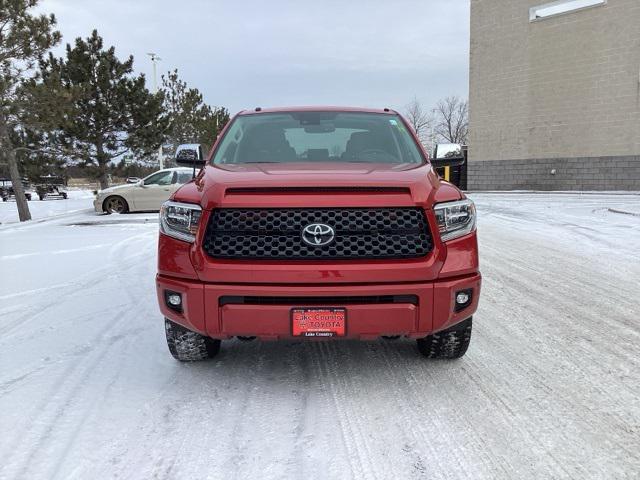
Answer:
x=42 y=209
x=550 y=387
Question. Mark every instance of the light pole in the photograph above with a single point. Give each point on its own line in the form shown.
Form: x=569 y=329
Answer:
x=154 y=59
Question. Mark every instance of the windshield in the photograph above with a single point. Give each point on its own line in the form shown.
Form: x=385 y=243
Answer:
x=317 y=137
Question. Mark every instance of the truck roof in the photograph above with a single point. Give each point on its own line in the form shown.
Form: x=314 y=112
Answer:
x=259 y=110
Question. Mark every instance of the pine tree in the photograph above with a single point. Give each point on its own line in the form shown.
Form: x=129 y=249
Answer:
x=112 y=112
x=192 y=120
x=24 y=38
x=33 y=154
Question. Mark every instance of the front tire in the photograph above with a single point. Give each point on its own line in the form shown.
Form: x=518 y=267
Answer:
x=115 y=204
x=188 y=346
x=448 y=344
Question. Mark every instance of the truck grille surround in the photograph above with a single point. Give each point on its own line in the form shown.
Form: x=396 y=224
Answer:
x=276 y=233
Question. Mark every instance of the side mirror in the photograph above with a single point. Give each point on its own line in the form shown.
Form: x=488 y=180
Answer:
x=189 y=154
x=448 y=155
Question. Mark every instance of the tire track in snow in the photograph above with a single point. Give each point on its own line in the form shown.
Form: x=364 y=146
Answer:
x=171 y=430
x=91 y=402
x=93 y=278
x=64 y=251
x=356 y=456
x=502 y=282
x=52 y=407
x=401 y=406
x=303 y=385
x=565 y=398
x=570 y=302
x=127 y=338
x=343 y=389
x=406 y=364
x=75 y=377
x=9 y=335
x=400 y=372
x=120 y=264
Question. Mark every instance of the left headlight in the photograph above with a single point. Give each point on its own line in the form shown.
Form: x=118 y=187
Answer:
x=455 y=219
x=180 y=220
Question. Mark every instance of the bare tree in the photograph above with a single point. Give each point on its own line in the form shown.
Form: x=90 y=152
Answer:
x=452 y=120
x=420 y=119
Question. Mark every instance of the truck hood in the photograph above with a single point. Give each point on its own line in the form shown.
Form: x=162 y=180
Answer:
x=238 y=185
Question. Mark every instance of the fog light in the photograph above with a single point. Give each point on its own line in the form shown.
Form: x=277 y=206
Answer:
x=462 y=298
x=174 y=299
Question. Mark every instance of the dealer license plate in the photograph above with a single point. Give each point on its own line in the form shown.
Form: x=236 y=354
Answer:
x=319 y=322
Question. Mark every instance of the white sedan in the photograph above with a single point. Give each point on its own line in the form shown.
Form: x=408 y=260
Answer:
x=146 y=195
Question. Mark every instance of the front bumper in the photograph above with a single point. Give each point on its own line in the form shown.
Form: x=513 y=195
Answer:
x=204 y=309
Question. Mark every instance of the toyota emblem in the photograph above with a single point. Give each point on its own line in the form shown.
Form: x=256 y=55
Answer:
x=318 y=234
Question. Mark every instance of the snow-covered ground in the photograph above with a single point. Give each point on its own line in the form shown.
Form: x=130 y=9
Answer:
x=550 y=387
x=40 y=209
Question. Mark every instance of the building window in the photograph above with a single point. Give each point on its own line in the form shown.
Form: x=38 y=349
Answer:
x=561 y=7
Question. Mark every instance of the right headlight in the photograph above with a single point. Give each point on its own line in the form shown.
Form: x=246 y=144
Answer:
x=455 y=219
x=180 y=220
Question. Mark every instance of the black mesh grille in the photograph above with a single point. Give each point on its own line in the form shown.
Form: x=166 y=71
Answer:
x=366 y=233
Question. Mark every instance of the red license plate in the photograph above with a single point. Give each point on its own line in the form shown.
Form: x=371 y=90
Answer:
x=319 y=322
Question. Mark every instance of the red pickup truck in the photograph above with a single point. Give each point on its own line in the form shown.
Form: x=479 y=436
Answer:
x=316 y=223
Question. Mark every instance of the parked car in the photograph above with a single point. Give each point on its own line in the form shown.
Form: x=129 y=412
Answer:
x=145 y=195
x=317 y=223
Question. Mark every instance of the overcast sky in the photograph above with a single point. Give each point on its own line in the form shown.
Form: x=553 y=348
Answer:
x=247 y=53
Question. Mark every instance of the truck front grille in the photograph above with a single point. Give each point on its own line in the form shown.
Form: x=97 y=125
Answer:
x=277 y=233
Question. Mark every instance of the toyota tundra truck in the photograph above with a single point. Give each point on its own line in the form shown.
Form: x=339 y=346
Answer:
x=316 y=223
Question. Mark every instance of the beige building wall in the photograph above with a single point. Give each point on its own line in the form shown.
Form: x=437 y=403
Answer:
x=565 y=87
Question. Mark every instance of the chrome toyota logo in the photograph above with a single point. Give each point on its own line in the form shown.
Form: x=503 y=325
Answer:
x=318 y=234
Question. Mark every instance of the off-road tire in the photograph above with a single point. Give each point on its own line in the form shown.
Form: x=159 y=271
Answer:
x=115 y=204
x=448 y=344
x=188 y=346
